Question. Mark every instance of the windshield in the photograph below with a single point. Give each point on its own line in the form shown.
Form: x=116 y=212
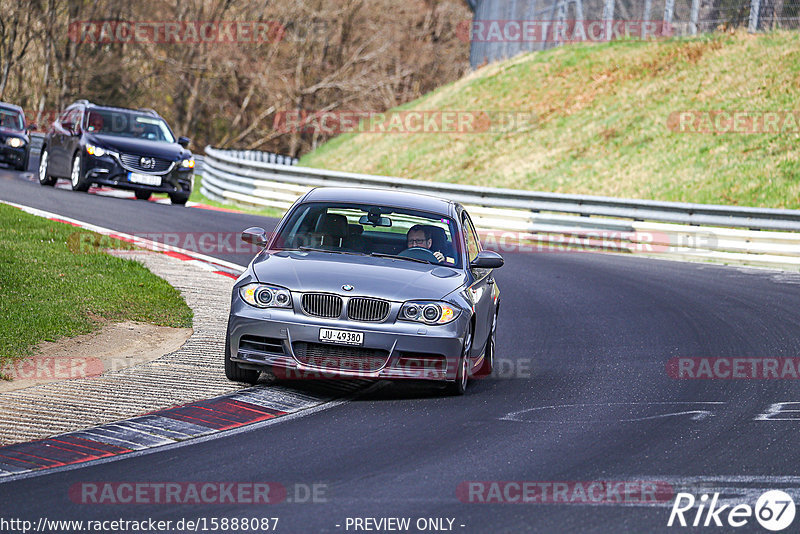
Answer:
x=11 y=119
x=128 y=124
x=371 y=229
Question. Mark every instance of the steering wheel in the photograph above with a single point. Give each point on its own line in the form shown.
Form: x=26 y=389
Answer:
x=419 y=253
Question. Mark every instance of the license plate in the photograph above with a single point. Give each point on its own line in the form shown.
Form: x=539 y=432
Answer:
x=145 y=179
x=342 y=337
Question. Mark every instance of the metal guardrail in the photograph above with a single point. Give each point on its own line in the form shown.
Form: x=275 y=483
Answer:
x=254 y=178
x=536 y=221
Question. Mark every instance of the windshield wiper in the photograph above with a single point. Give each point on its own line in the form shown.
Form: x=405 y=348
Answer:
x=382 y=255
x=312 y=249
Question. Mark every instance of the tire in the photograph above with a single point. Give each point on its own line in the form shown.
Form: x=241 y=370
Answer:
x=178 y=199
x=233 y=372
x=459 y=387
x=143 y=195
x=76 y=179
x=44 y=164
x=488 y=357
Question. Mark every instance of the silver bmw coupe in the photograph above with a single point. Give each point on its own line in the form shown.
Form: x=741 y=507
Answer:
x=366 y=283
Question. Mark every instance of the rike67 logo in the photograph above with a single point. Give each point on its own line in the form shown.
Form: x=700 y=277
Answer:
x=774 y=511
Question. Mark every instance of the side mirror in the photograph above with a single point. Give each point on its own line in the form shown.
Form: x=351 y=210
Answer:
x=486 y=259
x=184 y=141
x=255 y=235
x=31 y=127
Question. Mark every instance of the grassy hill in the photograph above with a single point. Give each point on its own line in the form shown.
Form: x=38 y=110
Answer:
x=601 y=123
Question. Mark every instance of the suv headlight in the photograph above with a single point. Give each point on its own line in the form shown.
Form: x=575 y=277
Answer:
x=187 y=164
x=98 y=151
x=429 y=312
x=15 y=142
x=266 y=296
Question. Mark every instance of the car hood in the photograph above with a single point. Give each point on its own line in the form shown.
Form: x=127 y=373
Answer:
x=9 y=132
x=143 y=147
x=386 y=278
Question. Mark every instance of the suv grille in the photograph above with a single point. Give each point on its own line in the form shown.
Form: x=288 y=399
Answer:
x=322 y=305
x=366 y=309
x=339 y=358
x=132 y=162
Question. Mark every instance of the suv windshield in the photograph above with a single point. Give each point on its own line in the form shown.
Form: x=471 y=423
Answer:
x=11 y=119
x=371 y=229
x=128 y=124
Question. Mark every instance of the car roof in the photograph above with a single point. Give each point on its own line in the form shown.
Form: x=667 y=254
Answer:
x=384 y=197
x=92 y=105
x=11 y=106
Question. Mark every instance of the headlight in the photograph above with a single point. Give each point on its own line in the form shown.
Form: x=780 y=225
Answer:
x=95 y=151
x=266 y=296
x=429 y=312
x=14 y=142
x=187 y=164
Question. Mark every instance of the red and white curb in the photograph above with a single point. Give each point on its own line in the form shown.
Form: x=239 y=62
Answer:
x=252 y=408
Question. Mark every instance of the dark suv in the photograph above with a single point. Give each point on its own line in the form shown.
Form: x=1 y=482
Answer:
x=117 y=147
x=15 y=143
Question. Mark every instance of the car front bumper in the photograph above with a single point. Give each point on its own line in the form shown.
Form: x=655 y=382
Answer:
x=12 y=156
x=107 y=171
x=406 y=350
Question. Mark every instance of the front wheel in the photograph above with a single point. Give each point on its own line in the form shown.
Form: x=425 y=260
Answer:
x=77 y=180
x=178 y=199
x=143 y=195
x=488 y=358
x=44 y=163
x=462 y=375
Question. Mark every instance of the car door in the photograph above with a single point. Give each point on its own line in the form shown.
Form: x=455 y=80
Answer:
x=482 y=288
x=73 y=137
x=55 y=140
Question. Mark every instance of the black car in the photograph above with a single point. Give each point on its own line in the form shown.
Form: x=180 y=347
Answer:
x=14 y=140
x=117 y=147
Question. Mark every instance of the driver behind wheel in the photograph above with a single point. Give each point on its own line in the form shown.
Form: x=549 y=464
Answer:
x=420 y=236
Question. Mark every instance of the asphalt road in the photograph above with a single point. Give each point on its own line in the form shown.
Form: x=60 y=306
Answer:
x=582 y=394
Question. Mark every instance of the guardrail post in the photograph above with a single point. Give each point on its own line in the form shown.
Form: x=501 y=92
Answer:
x=693 y=17
x=608 y=17
x=669 y=10
x=755 y=7
x=578 y=10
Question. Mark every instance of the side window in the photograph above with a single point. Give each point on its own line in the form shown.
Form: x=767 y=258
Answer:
x=473 y=245
x=76 y=116
x=64 y=116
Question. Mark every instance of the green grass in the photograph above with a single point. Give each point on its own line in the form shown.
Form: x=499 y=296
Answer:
x=600 y=125
x=55 y=281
